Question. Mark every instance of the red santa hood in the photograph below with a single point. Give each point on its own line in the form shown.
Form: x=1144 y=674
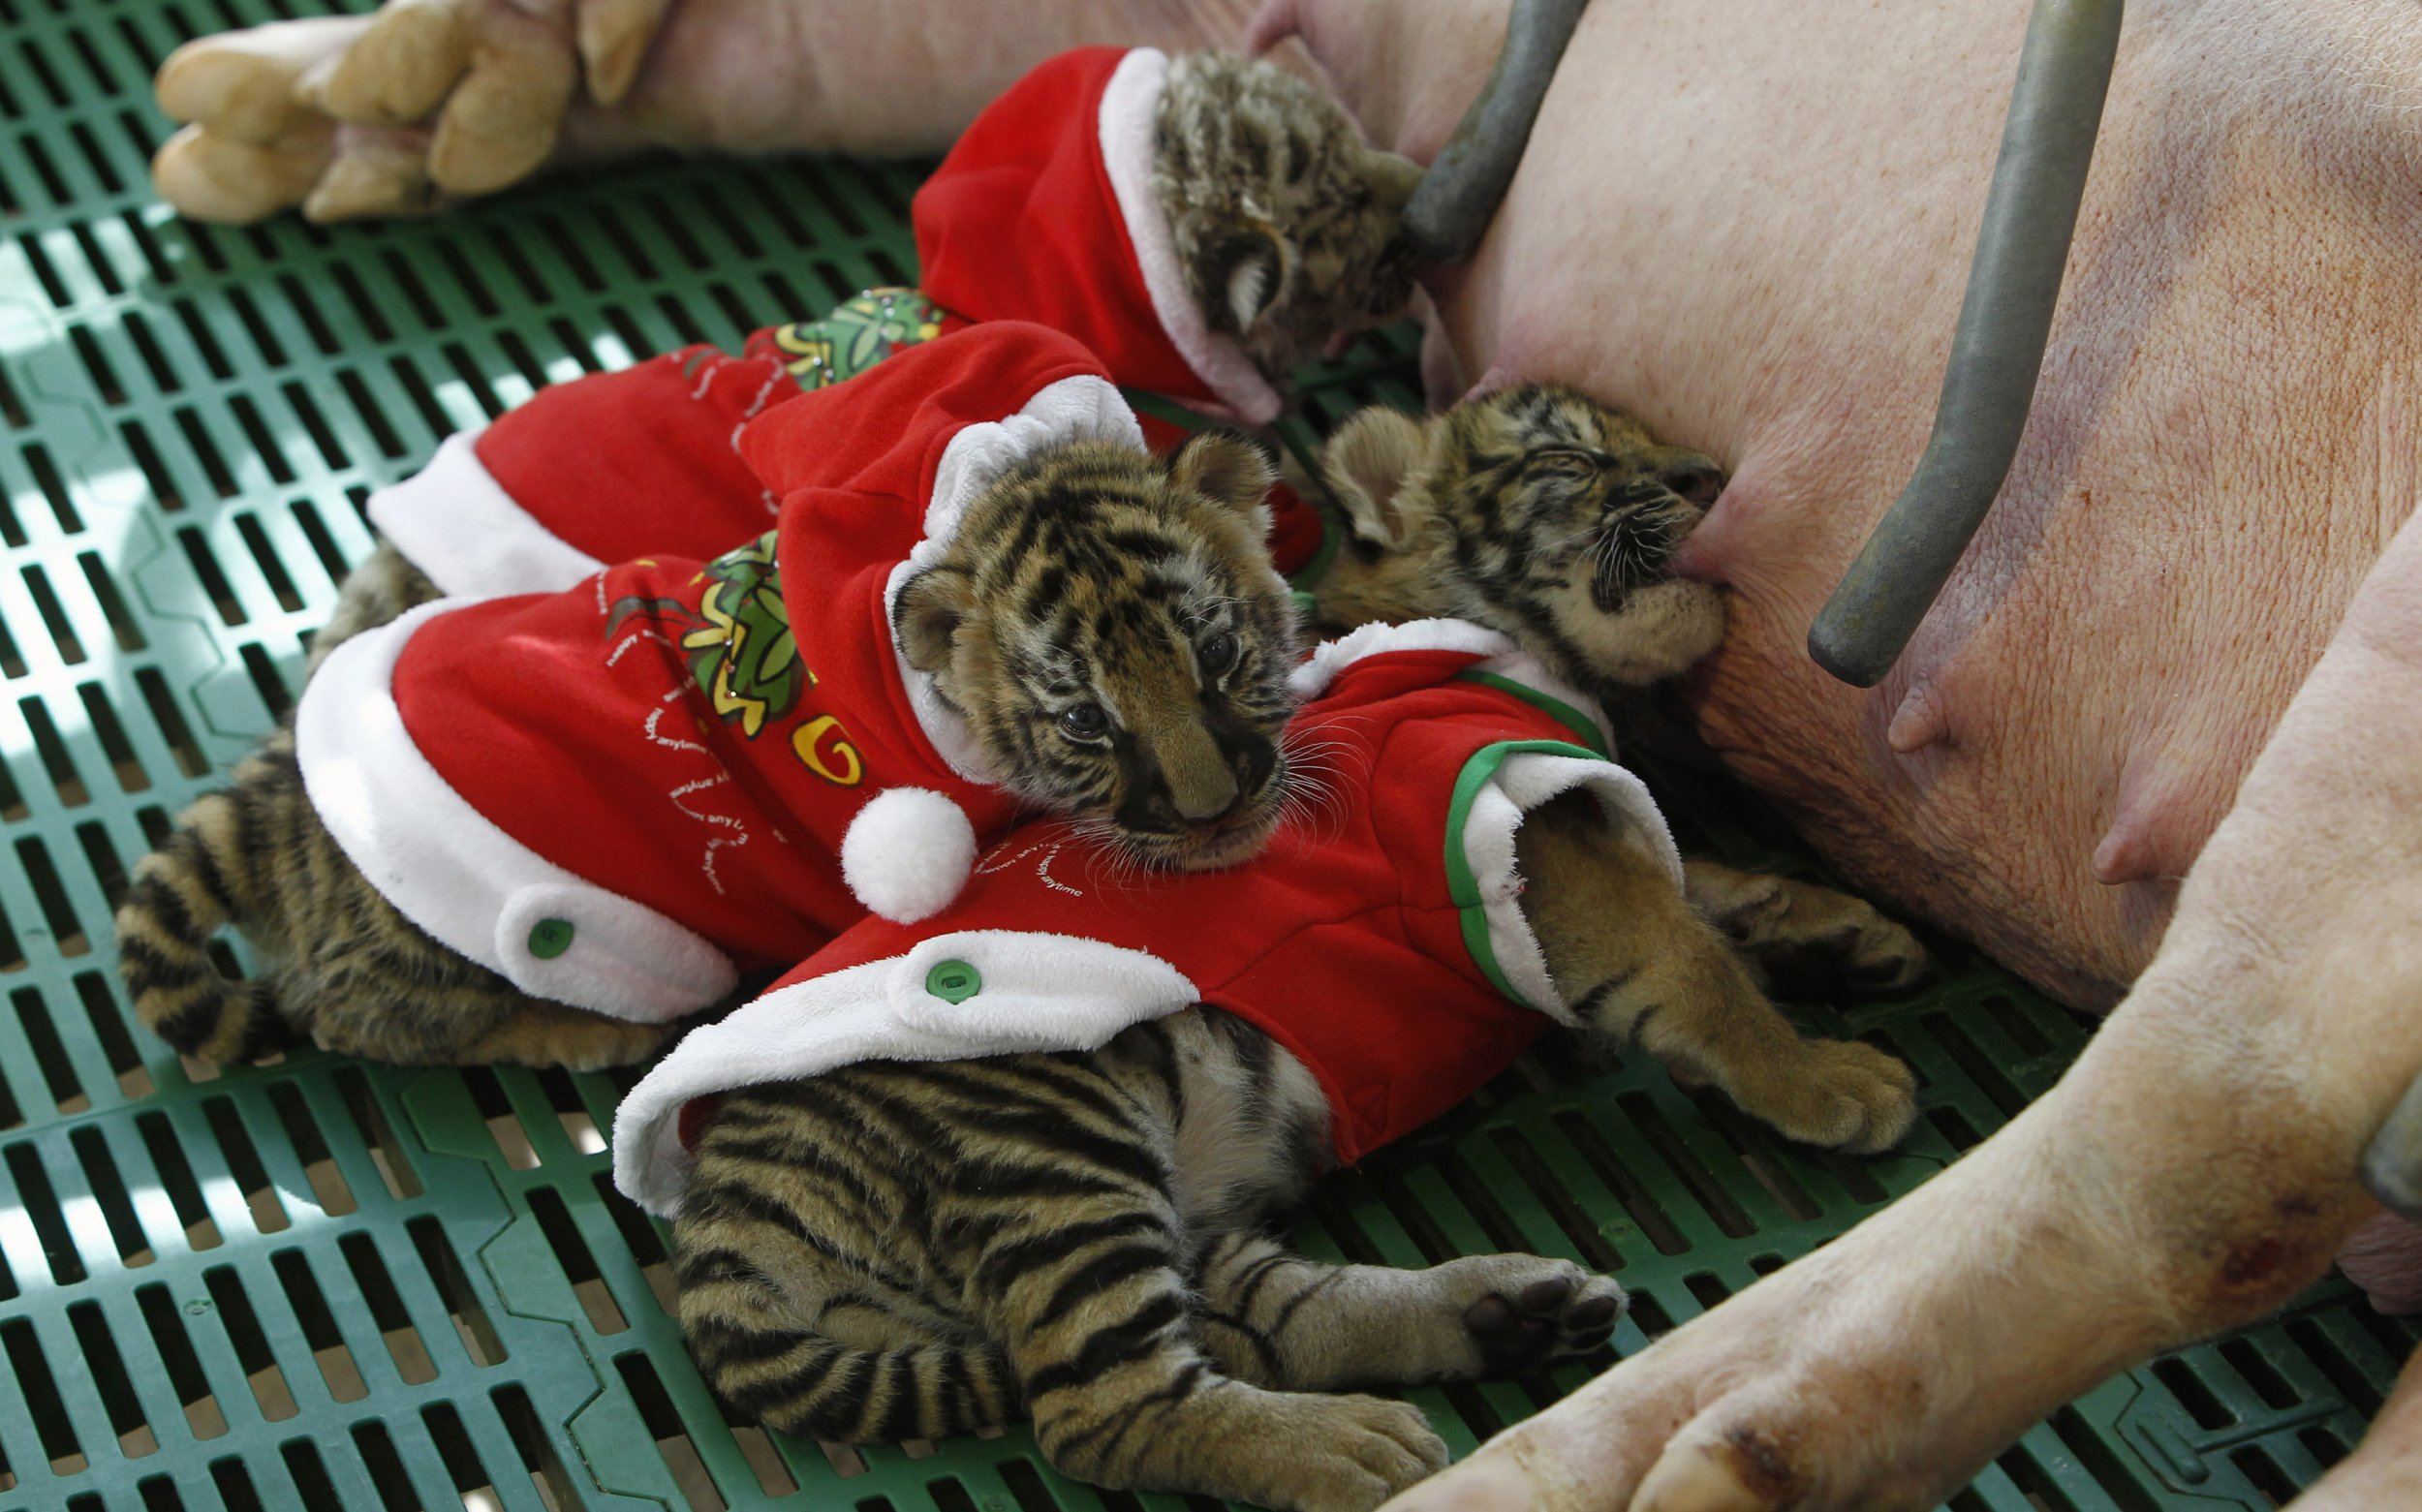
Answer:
x=1045 y=212
x=875 y=474
x=502 y=801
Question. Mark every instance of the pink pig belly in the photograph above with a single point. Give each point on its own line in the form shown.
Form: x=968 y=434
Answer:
x=1751 y=223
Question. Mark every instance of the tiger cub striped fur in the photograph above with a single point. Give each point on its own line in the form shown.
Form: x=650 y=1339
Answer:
x=1289 y=228
x=1534 y=510
x=1540 y=512
x=1108 y=623
x=913 y=1250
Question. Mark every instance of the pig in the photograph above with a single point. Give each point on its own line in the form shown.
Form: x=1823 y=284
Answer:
x=1748 y=225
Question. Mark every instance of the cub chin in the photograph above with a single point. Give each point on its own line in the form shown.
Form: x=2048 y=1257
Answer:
x=1534 y=510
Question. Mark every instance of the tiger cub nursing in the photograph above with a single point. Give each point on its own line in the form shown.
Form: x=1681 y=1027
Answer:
x=1534 y=510
x=1538 y=512
x=1284 y=224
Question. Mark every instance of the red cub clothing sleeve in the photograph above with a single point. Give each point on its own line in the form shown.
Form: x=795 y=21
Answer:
x=619 y=465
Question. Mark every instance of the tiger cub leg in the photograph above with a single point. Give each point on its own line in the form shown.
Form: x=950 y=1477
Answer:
x=380 y=588
x=427 y=1022
x=1797 y=931
x=1088 y=1292
x=1637 y=962
x=1274 y=1318
x=538 y=1032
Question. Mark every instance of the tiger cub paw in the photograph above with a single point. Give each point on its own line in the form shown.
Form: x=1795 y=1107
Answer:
x=1802 y=938
x=1842 y=1094
x=1349 y=1454
x=1536 y=1311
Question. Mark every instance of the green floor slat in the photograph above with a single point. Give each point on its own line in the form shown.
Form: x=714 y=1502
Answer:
x=320 y=1283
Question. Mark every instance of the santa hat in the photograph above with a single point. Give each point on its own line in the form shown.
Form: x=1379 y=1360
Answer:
x=1045 y=212
x=874 y=477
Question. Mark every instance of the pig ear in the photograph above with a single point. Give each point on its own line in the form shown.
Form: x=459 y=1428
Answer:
x=1370 y=465
x=925 y=618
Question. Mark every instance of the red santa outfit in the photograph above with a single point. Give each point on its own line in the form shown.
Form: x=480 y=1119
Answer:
x=620 y=795
x=612 y=466
x=1044 y=212
x=1378 y=938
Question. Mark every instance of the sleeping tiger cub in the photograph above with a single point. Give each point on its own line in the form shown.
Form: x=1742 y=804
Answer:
x=1534 y=510
x=904 y=1249
x=1105 y=626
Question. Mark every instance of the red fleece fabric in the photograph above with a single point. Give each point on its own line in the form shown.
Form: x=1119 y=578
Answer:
x=619 y=465
x=697 y=735
x=1344 y=940
x=1020 y=222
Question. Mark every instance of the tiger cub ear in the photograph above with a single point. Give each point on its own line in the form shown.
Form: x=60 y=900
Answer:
x=1227 y=468
x=1241 y=276
x=925 y=618
x=1369 y=465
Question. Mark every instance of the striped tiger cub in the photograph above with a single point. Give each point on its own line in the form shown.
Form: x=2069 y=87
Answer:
x=1089 y=579
x=910 y=1249
x=1534 y=510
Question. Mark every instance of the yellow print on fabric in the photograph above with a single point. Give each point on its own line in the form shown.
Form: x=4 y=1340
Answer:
x=736 y=639
x=861 y=331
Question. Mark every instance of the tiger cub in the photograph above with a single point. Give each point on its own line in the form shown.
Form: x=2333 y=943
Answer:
x=1539 y=513
x=1534 y=510
x=905 y=1250
x=1289 y=228
x=1090 y=578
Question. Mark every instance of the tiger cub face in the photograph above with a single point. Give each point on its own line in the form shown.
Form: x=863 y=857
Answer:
x=1534 y=510
x=1111 y=629
x=1287 y=225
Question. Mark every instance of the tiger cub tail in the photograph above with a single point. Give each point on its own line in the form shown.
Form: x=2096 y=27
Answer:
x=183 y=893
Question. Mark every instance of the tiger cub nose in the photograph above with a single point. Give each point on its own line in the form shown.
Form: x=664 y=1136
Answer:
x=1207 y=799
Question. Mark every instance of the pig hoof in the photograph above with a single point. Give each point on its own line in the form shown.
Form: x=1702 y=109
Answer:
x=387 y=114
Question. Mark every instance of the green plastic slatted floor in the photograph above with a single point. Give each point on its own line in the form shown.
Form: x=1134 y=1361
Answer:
x=324 y=1284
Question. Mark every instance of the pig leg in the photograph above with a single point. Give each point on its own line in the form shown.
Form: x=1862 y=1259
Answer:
x=429 y=100
x=2191 y=1172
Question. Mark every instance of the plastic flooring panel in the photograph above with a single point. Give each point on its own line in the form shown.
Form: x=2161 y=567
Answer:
x=319 y=1283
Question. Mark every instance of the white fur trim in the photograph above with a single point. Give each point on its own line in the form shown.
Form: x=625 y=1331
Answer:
x=1313 y=676
x=1038 y=992
x=907 y=852
x=1522 y=781
x=1129 y=107
x=1520 y=667
x=1080 y=408
x=453 y=521
x=450 y=868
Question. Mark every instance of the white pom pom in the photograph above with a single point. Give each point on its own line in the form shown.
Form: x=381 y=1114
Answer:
x=908 y=853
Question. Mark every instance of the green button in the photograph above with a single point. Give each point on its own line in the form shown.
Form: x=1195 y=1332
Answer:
x=953 y=981
x=550 y=938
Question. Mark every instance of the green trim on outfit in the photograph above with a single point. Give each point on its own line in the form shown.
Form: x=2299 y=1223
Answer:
x=1462 y=886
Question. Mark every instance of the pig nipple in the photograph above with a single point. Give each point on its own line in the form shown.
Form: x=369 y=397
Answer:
x=1921 y=721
